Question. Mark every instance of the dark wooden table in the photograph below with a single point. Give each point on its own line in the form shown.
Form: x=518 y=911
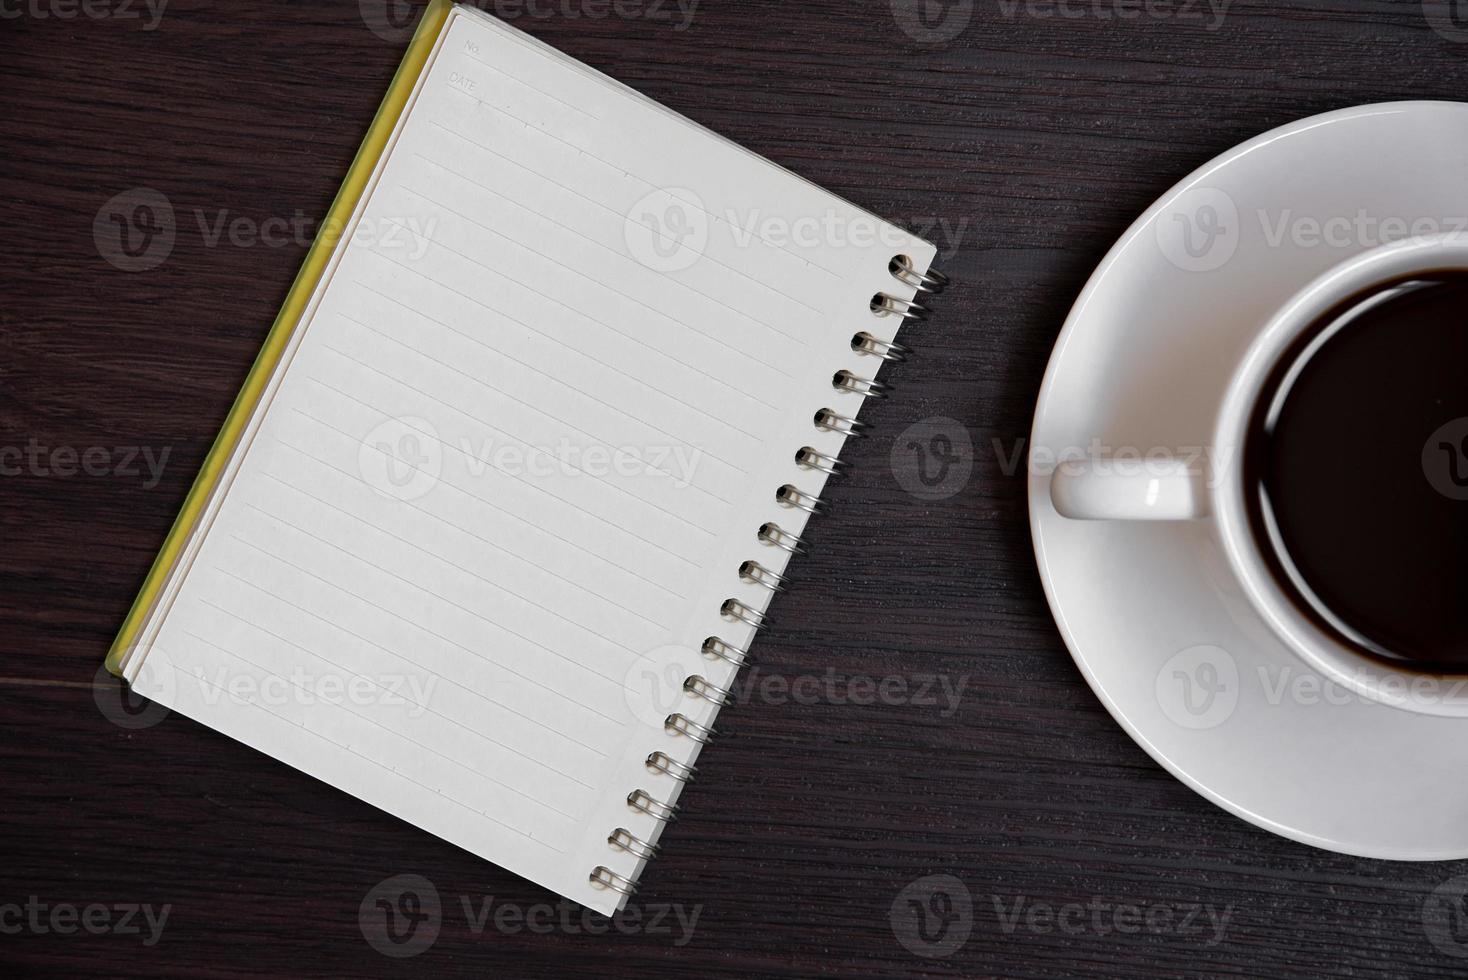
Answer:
x=1020 y=141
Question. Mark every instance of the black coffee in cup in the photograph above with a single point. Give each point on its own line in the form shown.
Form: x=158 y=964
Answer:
x=1356 y=470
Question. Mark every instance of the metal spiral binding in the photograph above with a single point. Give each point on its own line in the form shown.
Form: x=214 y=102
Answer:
x=866 y=387
x=734 y=609
x=715 y=647
x=831 y=420
x=700 y=686
x=605 y=877
x=864 y=343
x=813 y=459
x=679 y=724
x=661 y=762
x=903 y=271
x=624 y=840
x=776 y=536
x=753 y=571
x=644 y=802
x=807 y=457
x=908 y=309
x=792 y=496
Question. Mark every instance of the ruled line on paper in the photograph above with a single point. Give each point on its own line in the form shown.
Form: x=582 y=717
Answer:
x=526 y=589
x=656 y=390
x=347 y=671
x=621 y=215
x=561 y=63
x=445 y=678
x=715 y=379
x=784 y=335
x=573 y=584
x=541 y=296
x=511 y=437
x=578 y=664
x=490 y=582
x=578 y=508
x=387 y=728
x=674 y=439
x=357 y=477
x=391 y=769
x=533 y=88
x=779 y=248
x=453 y=643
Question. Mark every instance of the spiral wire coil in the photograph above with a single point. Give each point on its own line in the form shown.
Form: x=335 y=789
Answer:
x=715 y=648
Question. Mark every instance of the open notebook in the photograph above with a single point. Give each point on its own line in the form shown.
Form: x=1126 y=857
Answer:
x=502 y=502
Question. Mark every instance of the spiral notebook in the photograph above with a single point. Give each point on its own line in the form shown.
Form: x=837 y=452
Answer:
x=491 y=526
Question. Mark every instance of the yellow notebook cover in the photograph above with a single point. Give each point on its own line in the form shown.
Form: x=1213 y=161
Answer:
x=419 y=48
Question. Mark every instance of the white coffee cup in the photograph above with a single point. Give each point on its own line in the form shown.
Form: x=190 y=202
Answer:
x=1212 y=488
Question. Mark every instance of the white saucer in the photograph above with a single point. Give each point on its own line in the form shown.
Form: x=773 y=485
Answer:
x=1152 y=612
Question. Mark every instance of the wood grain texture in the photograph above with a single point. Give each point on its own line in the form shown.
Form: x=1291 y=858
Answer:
x=1023 y=147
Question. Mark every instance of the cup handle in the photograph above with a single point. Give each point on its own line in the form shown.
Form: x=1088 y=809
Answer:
x=1155 y=489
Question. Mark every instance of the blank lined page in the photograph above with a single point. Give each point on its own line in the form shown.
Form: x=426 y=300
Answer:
x=504 y=480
